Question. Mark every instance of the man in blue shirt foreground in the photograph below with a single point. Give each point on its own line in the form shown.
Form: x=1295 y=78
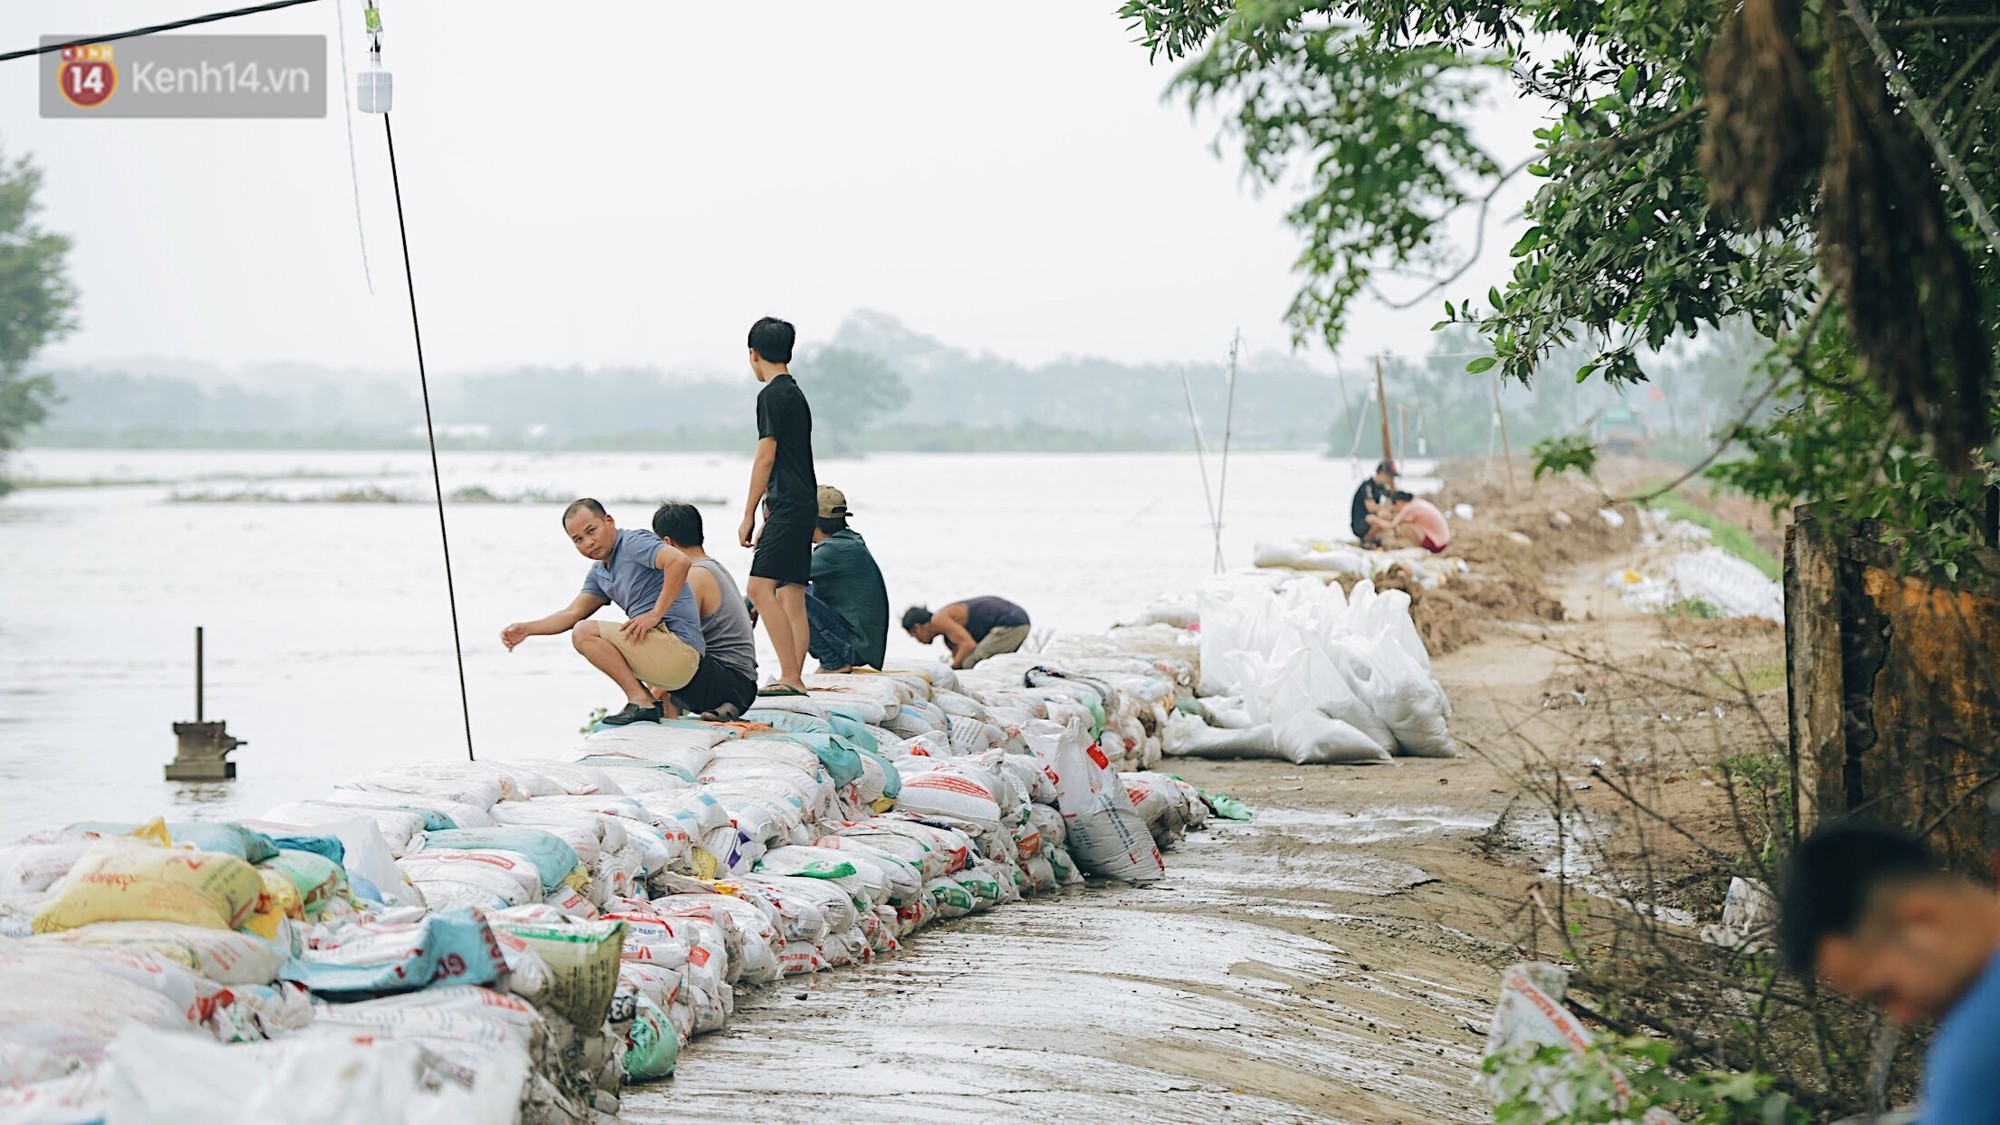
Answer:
x=660 y=644
x=1873 y=912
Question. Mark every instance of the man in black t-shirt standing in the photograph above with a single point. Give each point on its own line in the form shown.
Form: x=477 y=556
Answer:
x=1374 y=498
x=782 y=478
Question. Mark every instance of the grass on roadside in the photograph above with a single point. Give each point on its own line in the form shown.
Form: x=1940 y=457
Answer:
x=1727 y=536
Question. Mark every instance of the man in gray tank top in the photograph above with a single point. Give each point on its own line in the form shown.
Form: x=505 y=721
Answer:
x=725 y=684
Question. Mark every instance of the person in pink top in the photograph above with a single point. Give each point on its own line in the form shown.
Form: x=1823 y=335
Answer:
x=1419 y=523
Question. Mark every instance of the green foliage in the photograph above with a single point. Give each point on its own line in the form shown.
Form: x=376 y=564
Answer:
x=1378 y=115
x=596 y=717
x=850 y=391
x=1728 y=536
x=1568 y=453
x=1831 y=446
x=1623 y=253
x=1698 y=609
x=1763 y=787
x=36 y=300
x=1620 y=1080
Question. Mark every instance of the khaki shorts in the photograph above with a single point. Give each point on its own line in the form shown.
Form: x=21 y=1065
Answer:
x=1007 y=638
x=660 y=659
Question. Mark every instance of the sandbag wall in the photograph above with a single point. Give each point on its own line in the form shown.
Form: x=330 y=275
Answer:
x=497 y=941
x=1293 y=668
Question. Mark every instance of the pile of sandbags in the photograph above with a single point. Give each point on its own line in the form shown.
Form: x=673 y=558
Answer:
x=476 y=941
x=109 y=928
x=1345 y=558
x=1307 y=674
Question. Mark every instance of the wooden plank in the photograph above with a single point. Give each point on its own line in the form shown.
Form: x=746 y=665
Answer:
x=1813 y=678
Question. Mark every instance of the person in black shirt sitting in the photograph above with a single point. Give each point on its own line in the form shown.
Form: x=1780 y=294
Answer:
x=1376 y=497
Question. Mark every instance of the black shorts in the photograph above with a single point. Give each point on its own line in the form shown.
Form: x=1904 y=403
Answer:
x=784 y=552
x=715 y=684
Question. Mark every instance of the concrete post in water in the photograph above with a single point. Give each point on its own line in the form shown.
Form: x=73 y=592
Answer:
x=203 y=747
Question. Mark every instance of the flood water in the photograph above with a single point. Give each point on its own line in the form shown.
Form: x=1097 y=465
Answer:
x=329 y=634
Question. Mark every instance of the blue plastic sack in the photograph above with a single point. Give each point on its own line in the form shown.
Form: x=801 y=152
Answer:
x=850 y=726
x=454 y=947
x=245 y=844
x=892 y=779
x=550 y=853
x=328 y=846
x=836 y=755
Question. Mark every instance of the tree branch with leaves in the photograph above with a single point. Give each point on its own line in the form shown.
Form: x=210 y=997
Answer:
x=37 y=301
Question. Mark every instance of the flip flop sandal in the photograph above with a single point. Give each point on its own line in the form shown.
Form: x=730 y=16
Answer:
x=777 y=691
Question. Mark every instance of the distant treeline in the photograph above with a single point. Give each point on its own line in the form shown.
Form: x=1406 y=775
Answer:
x=876 y=385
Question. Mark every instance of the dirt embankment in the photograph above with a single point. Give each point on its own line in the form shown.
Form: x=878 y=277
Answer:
x=1336 y=958
x=1517 y=541
x=1597 y=742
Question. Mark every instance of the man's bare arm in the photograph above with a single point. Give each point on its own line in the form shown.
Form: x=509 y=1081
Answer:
x=760 y=483
x=958 y=637
x=561 y=621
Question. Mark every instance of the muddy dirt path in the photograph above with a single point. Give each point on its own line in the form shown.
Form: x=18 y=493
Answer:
x=1333 y=960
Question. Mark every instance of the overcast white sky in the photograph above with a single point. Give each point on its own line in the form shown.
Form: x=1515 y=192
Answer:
x=607 y=182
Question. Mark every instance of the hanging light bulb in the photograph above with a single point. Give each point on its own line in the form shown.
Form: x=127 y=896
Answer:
x=374 y=88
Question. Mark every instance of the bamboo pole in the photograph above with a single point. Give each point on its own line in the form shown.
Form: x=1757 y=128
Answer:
x=1382 y=399
x=1228 y=427
x=1506 y=450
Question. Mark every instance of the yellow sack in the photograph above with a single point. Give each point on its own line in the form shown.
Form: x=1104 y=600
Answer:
x=154 y=830
x=280 y=900
x=126 y=879
x=706 y=866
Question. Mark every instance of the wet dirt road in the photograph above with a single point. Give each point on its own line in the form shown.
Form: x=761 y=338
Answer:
x=1202 y=998
x=1336 y=959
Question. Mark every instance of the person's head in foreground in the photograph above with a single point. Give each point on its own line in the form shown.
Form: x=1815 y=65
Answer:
x=590 y=528
x=917 y=623
x=678 y=523
x=1870 y=910
x=833 y=513
x=1385 y=473
x=771 y=342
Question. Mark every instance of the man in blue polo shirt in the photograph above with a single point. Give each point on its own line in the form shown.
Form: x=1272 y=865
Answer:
x=1871 y=911
x=659 y=646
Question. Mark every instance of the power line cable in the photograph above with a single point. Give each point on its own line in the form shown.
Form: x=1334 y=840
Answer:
x=430 y=432
x=353 y=173
x=192 y=21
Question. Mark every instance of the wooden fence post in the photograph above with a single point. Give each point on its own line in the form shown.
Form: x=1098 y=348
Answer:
x=1813 y=673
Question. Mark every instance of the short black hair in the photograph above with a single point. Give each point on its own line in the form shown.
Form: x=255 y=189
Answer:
x=586 y=504
x=832 y=524
x=678 y=521
x=914 y=616
x=1834 y=876
x=772 y=339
